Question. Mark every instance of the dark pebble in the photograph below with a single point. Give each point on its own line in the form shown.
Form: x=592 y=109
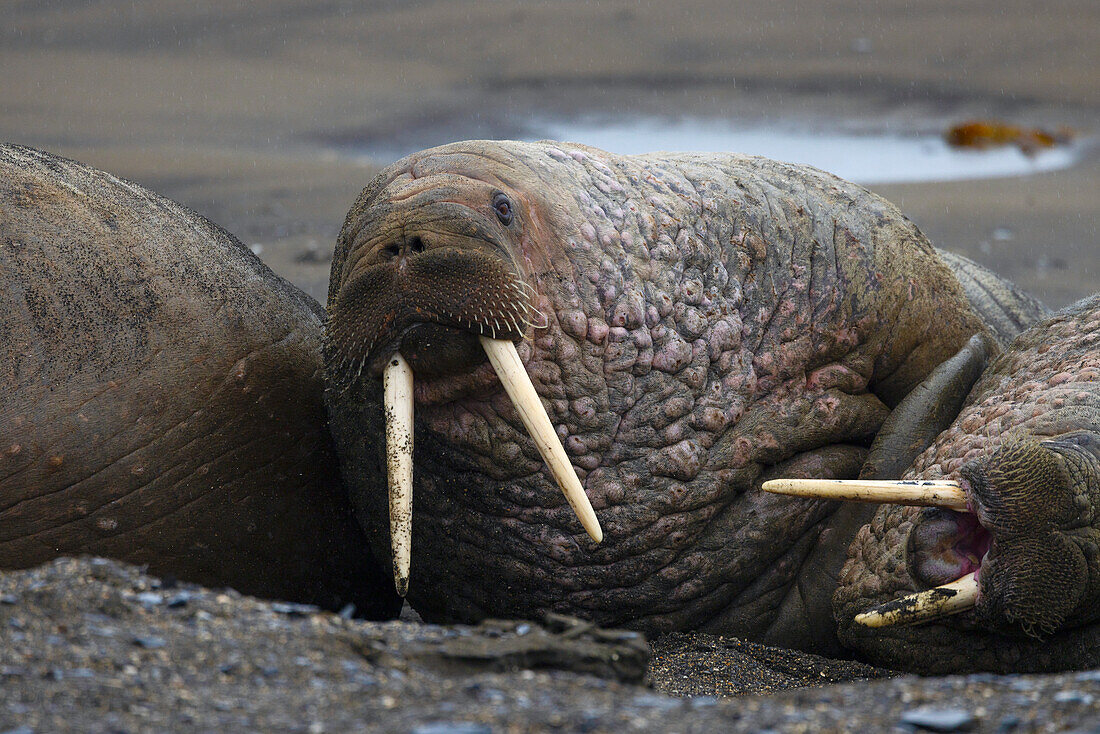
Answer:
x=934 y=719
x=178 y=600
x=9 y=599
x=168 y=582
x=314 y=255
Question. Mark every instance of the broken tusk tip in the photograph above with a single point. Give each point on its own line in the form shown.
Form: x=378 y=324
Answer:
x=869 y=619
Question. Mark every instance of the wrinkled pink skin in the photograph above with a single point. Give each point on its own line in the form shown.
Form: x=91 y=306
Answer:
x=712 y=321
x=1045 y=386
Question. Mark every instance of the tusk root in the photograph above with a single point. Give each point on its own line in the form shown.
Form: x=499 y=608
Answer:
x=942 y=601
x=920 y=493
x=397 y=381
x=509 y=368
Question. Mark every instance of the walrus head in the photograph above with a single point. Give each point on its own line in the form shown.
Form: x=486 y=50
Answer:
x=670 y=330
x=431 y=269
x=431 y=285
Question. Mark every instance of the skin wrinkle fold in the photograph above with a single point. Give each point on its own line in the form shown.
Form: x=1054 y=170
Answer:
x=164 y=435
x=662 y=225
x=136 y=492
x=133 y=493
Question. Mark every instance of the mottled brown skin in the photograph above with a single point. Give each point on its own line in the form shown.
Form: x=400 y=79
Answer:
x=162 y=397
x=699 y=323
x=1027 y=448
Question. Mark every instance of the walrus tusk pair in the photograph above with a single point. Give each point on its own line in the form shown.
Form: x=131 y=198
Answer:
x=397 y=388
x=924 y=606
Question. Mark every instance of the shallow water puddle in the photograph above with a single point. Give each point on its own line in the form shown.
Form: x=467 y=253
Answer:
x=866 y=158
x=863 y=158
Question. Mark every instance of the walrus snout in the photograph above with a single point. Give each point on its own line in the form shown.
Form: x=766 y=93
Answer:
x=430 y=304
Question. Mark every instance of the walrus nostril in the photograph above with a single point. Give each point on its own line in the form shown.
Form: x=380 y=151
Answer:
x=412 y=245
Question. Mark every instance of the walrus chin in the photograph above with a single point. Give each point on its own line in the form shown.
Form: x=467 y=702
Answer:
x=418 y=314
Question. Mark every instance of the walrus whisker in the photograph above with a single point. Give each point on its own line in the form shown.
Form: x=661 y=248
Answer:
x=919 y=493
x=545 y=321
x=517 y=383
x=924 y=606
x=397 y=380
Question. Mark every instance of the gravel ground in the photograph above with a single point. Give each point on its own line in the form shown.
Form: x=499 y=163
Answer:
x=89 y=645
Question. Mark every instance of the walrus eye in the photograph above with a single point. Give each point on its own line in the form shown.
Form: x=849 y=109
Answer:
x=503 y=208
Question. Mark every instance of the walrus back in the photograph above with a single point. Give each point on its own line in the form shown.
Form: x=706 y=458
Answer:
x=163 y=401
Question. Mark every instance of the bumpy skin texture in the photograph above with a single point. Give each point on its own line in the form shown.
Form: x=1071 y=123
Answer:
x=711 y=320
x=1027 y=447
x=162 y=396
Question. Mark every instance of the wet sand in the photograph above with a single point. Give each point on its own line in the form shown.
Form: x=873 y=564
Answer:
x=235 y=109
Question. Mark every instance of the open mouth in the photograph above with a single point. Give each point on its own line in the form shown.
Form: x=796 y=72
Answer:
x=946 y=548
x=945 y=545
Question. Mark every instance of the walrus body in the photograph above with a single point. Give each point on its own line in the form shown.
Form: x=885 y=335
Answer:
x=694 y=325
x=1026 y=449
x=162 y=396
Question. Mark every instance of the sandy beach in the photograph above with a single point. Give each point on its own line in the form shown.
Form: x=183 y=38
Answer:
x=246 y=111
x=262 y=116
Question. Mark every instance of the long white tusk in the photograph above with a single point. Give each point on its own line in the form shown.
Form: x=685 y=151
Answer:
x=942 y=601
x=505 y=360
x=944 y=493
x=397 y=383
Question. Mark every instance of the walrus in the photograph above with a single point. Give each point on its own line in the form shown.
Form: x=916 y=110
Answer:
x=1004 y=557
x=680 y=328
x=162 y=397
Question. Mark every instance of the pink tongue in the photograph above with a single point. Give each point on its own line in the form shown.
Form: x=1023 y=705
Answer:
x=945 y=545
